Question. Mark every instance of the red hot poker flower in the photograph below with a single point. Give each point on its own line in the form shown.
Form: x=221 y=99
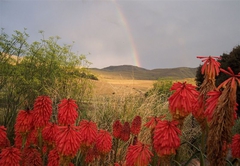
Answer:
x=166 y=137
x=235 y=146
x=125 y=133
x=53 y=158
x=138 y=154
x=88 y=132
x=233 y=79
x=136 y=125
x=24 y=121
x=31 y=139
x=10 y=156
x=42 y=111
x=91 y=155
x=211 y=103
x=210 y=67
x=49 y=133
x=68 y=140
x=18 y=140
x=67 y=112
x=4 y=142
x=153 y=122
x=31 y=156
x=117 y=128
x=183 y=100
x=103 y=142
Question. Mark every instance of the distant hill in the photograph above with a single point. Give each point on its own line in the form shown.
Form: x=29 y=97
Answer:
x=138 y=73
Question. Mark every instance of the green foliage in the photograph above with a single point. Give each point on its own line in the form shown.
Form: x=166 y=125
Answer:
x=28 y=70
x=161 y=87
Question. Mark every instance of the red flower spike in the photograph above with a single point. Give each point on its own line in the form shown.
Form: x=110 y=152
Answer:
x=166 y=138
x=125 y=133
x=10 y=156
x=211 y=67
x=103 y=142
x=31 y=156
x=49 y=133
x=4 y=142
x=211 y=103
x=31 y=139
x=53 y=158
x=232 y=80
x=42 y=111
x=68 y=140
x=136 y=125
x=24 y=121
x=88 y=131
x=117 y=128
x=153 y=122
x=138 y=154
x=198 y=111
x=18 y=140
x=67 y=112
x=91 y=154
x=235 y=146
x=183 y=101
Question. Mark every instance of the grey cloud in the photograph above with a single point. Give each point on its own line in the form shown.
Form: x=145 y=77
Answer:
x=165 y=33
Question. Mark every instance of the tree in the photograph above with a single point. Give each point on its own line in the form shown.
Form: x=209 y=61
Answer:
x=39 y=68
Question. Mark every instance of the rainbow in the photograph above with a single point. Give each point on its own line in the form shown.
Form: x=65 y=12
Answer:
x=129 y=34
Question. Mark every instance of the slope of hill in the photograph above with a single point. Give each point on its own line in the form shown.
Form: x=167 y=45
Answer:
x=138 y=73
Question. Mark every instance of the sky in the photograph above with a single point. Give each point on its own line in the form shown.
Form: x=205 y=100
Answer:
x=145 y=33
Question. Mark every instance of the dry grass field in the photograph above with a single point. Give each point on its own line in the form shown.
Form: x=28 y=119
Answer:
x=121 y=80
x=121 y=86
x=110 y=84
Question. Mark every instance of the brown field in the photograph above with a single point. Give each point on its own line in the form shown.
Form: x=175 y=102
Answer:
x=117 y=86
x=118 y=83
x=121 y=86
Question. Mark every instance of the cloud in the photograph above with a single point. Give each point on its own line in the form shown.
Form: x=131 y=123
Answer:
x=164 y=33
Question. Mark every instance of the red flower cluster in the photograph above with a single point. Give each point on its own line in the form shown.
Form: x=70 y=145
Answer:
x=235 y=146
x=103 y=142
x=210 y=67
x=53 y=158
x=183 y=100
x=49 y=133
x=10 y=156
x=4 y=142
x=166 y=137
x=125 y=133
x=29 y=139
x=211 y=103
x=232 y=80
x=24 y=122
x=31 y=156
x=136 y=125
x=153 y=122
x=117 y=129
x=88 y=132
x=138 y=154
x=42 y=111
x=68 y=140
x=67 y=112
x=92 y=153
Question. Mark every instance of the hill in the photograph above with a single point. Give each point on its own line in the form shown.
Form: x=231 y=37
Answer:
x=138 y=73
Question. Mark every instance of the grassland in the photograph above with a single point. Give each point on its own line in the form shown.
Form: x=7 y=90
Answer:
x=126 y=79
